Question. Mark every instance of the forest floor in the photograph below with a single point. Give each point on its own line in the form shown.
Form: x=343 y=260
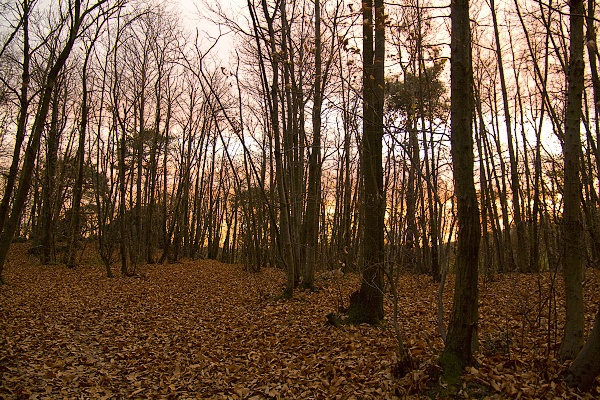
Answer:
x=202 y=329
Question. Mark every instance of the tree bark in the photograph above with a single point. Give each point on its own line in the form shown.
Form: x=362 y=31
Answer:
x=462 y=330
x=314 y=167
x=22 y=120
x=284 y=236
x=70 y=258
x=49 y=192
x=586 y=367
x=521 y=253
x=123 y=214
x=572 y=265
x=366 y=305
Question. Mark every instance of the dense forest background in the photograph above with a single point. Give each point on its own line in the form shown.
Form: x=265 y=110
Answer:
x=159 y=140
x=282 y=133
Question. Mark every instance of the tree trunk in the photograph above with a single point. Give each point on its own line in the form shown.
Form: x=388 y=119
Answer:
x=366 y=305
x=49 y=192
x=314 y=172
x=462 y=330
x=70 y=257
x=586 y=367
x=285 y=244
x=412 y=233
x=123 y=214
x=572 y=268
x=520 y=254
x=486 y=204
x=22 y=121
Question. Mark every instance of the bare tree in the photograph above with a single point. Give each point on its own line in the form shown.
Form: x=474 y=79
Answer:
x=462 y=329
x=75 y=17
x=314 y=164
x=520 y=253
x=572 y=264
x=24 y=101
x=366 y=305
x=585 y=367
x=70 y=256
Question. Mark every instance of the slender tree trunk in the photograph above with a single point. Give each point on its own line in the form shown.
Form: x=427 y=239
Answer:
x=49 y=192
x=123 y=214
x=136 y=249
x=412 y=233
x=486 y=204
x=432 y=204
x=534 y=260
x=21 y=122
x=519 y=255
x=156 y=134
x=292 y=168
x=592 y=51
x=70 y=257
x=507 y=247
x=314 y=174
x=165 y=235
x=285 y=245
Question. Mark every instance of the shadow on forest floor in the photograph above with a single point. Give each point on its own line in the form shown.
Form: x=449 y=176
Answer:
x=203 y=329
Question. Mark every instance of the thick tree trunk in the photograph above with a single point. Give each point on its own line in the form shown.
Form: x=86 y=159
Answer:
x=586 y=367
x=462 y=330
x=572 y=268
x=366 y=305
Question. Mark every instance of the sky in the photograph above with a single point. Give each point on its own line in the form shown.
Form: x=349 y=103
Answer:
x=194 y=16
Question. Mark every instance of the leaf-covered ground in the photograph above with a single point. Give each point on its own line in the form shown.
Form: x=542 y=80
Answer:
x=204 y=329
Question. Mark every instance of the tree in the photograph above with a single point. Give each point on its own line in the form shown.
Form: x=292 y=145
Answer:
x=327 y=41
x=49 y=183
x=520 y=255
x=23 y=114
x=586 y=368
x=418 y=100
x=70 y=257
x=314 y=165
x=281 y=142
x=572 y=227
x=462 y=329
x=74 y=17
x=366 y=305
